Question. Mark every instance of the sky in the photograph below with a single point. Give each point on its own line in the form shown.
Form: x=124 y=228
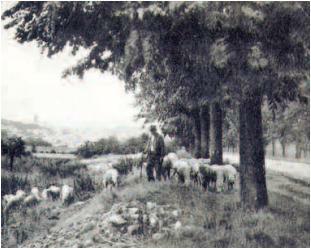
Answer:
x=31 y=84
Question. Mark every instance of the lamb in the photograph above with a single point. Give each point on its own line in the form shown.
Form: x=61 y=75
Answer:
x=52 y=192
x=11 y=201
x=67 y=195
x=168 y=164
x=111 y=177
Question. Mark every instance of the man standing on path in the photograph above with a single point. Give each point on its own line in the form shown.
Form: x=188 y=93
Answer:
x=155 y=152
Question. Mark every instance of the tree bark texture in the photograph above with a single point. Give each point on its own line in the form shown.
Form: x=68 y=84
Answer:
x=252 y=159
x=216 y=134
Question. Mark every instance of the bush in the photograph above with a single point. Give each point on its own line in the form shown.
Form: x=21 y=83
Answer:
x=11 y=183
x=124 y=166
x=60 y=167
x=113 y=145
x=83 y=185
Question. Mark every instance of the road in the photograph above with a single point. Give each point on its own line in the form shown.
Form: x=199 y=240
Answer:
x=292 y=169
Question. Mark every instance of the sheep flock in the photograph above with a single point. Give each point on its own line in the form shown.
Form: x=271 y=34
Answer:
x=178 y=167
x=199 y=172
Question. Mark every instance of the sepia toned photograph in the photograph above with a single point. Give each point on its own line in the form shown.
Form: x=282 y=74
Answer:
x=155 y=124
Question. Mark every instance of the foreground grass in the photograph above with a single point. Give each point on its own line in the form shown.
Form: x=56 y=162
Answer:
x=208 y=219
x=216 y=220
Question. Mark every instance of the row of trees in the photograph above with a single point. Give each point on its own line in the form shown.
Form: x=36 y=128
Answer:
x=113 y=145
x=188 y=63
x=288 y=125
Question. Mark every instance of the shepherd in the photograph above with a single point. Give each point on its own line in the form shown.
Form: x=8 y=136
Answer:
x=155 y=152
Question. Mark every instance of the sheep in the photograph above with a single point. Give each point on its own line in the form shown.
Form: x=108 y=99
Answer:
x=11 y=201
x=44 y=194
x=167 y=164
x=195 y=171
x=111 y=177
x=30 y=200
x=35 y=191
x=204 y=160
x=208 y=176
x=230 y=174
x=182 y=169
x=52 y=192
x=182 y=153
x=220 y=172
x=67 y=195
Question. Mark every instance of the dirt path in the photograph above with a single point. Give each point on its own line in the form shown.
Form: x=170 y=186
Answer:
x=295 y=170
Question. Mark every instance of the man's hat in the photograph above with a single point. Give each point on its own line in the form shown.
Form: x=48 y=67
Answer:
x=153 y=128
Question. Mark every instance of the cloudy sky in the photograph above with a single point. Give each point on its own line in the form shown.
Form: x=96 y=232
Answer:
x=31 y=84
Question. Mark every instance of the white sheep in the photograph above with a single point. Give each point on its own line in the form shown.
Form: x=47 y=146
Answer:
x=167 y=164
x=52 y=192
x=230 y=174
x=182 y=153
x=226 y=176
x=30 y=200
x=35 y=191
x=44 y=194
x=111 y=177
x=67 y=195
x=204 y=160
x=195 y=171
x=220 y=173
x=182 y=169
x=208 y=176
x=11 y=201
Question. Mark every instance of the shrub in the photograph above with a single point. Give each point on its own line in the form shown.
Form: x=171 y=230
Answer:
x=60 y=167
x=11 y=183
x=124 y=166
x=83 y=185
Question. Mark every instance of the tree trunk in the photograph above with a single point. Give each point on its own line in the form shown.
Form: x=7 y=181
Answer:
x=298 y=151
x=252 y=160
x=11 y=162
x=216 y=134
x=273 y=147
x=283 y=144
x=197 y=134
x=205 y=126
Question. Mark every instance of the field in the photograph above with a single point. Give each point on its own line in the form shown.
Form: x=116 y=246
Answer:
x=201 y=219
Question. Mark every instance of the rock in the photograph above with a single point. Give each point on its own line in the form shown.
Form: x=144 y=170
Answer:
x=177 y=225
x=54 y=215
x=133 y=211
x=88 y=243
x=133 y=216
x=161 y=211
x=157 y=236
x=191 y=231
x=97 y=238
x=151 y=205
x=88 y=227
x=153 y=219
x=133 y=229
x=175 y=213
x=117 y=220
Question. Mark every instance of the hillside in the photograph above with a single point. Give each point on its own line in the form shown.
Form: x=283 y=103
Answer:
x=172 y=215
